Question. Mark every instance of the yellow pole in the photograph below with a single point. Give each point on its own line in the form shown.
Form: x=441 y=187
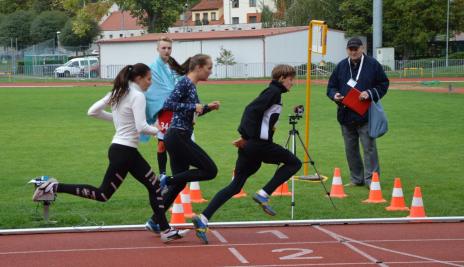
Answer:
x=308 y=83
x=308 y=95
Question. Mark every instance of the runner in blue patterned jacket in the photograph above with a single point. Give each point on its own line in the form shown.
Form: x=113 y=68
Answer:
x=183 y=152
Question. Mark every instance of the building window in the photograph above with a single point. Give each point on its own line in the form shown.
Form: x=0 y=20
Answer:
x=235 y=20
x=111 y=36
x=205 y=16
x=252 y=3
x=132 y=35
x=213 y=16
x=252 y=19
x=235 y=3
x=121 y=35
x=101 y=36
x=197 y=16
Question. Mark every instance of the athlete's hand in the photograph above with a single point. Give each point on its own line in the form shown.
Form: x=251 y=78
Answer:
x=214 y=105
x=239 y=143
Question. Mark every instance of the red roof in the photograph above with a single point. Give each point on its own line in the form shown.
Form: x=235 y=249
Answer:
x=209 y=35
x=208 y=5
x=120 y=21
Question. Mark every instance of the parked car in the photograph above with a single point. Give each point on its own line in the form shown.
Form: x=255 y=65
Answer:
x=76 y=67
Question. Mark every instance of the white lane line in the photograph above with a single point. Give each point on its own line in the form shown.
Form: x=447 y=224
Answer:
x=219 y=236
x=355 y=249
x=210 y=245
x=237 y=255
x=335 y=235
x=338 y=263
x=276 y=233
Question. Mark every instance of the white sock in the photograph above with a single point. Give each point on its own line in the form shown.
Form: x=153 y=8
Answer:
x=203 y=219
x=263 y=193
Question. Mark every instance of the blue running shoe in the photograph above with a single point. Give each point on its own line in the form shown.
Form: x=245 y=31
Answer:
x=151 y=226
x=264 y=202
x=163 y=186
x=200 y=228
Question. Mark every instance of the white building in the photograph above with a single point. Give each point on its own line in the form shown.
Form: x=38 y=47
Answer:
x=245 y=11
x=255 y=51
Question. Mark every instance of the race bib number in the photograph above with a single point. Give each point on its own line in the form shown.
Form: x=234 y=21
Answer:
x=164 y=119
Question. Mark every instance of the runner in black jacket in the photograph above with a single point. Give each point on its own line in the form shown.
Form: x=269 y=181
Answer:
x=255 y=147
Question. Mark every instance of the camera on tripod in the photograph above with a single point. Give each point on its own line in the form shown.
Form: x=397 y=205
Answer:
x=298 y=112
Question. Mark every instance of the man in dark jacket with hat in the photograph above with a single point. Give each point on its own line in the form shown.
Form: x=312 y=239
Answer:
x=365 y=74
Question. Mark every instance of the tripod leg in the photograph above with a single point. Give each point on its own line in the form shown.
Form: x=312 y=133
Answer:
x=315 y=169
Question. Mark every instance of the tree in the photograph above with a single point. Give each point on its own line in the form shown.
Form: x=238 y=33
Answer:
x=267 y=17
x=412 y=25
x=301 y=12
x=225 y=58
x=16 y=26
x=69 y=38
x=157 y=15
x=46 y=24
x=8 y=7
x=85 y=14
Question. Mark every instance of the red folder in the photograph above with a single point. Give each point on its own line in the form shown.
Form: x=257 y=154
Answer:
x=352 y=101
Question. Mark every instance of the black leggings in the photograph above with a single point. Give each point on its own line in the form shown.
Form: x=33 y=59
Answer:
x=183 y=153
x=248 y=162
x=123 y=159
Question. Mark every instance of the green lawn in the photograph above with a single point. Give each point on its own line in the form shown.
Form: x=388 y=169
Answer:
x=45 y=131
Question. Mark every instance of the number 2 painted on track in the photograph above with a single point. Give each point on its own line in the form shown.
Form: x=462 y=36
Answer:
x=297 y=256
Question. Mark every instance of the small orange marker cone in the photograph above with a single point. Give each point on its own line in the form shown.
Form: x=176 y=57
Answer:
x=186 y=203
x=417 y=206
x=195 y=193
x=337 y=185
x=397 y=201
x=242 y=192
x=177 y=215
x=282 y=190
x=375 y=193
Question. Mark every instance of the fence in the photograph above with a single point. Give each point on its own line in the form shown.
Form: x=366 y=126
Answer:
x=401 y=68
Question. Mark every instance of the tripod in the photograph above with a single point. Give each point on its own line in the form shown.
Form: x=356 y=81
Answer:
x=292 y=134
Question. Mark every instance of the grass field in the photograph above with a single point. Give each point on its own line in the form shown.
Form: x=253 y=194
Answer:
x=45 y=131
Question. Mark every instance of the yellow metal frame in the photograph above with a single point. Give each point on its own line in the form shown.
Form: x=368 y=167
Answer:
x=413 y=69
x=322 y=24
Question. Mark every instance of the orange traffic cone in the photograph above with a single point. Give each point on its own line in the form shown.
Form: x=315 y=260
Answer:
x=177 y=215
x=397 y=201
x=417 y=206
x=337 y=185
x=375 y=193
x=186 y=204
x=195 y=193
x=282 y=190
x=242 y=192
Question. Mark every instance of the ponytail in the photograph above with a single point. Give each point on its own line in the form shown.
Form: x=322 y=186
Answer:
x=179 y=69
x=121 y=82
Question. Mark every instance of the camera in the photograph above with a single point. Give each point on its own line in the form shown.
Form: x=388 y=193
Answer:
x=298 y=111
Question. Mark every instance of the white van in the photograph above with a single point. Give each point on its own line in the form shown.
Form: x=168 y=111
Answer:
x=76 y=67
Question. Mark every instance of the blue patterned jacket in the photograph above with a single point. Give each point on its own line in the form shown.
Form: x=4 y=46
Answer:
x=182 y=102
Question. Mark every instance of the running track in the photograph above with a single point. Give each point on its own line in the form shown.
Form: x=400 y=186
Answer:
x=397 y=244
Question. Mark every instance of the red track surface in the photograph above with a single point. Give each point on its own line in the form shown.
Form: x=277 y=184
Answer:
x=413 y=244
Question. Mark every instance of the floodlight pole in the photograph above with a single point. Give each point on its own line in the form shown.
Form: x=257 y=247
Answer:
x=447 y=31
x=308 y=82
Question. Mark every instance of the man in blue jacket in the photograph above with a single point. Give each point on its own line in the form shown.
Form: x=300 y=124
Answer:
x=365 y=74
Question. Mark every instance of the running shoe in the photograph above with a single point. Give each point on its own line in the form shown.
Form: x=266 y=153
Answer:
x=264 y=203
x=153 y=227
x=173 y=234
x=200 y=228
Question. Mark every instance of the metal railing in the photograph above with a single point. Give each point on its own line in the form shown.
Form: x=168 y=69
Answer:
x=322 y=70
